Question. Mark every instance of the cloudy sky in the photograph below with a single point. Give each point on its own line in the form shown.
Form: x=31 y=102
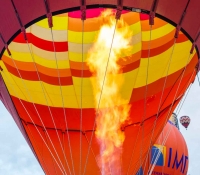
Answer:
x=16 y=157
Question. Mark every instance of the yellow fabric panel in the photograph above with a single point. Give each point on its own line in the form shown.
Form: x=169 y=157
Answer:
x=128 y=84
x=89 y=37
x=62 y=64
x=157 y=33
x=75 y=47
x=59 y=23
x=125 y=92
x=76 y=37
x=158 y=64
x=87 y=88
x=135 y=28
x=74 y=56
x=180 y=56
x=71 y=94
x=31 y=91
x=87 y=101
x=86 y=81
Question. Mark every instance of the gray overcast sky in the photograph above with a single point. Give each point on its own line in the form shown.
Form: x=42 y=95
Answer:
x=16 y=157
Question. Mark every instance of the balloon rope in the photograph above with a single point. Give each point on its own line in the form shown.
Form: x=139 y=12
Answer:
x=177 y=89
x=63 y=105
x=97 y=162
x=13 y=89
x=50 y=112
x=133 y=152
x=145 y=99
x=183 y=99
x=160 y=101
x=81 y=101
x=52 y=159
x=100 y=99
x=40 y=151
x=178 y=111
x=31 y=100
x=145 y=95
x=160 y=148
x=146 y=155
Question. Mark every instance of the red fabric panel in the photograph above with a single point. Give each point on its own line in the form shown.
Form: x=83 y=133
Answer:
x=158 y=50
x=131 y=146
x=73 y=115
x=32 y=76
x=43 y=44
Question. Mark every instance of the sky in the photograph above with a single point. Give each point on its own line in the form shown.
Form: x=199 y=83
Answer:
x=16 y=157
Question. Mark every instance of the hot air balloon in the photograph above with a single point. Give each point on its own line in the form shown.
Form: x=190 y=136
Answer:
x=166 y=155
x=91 y=84
x=185 y=121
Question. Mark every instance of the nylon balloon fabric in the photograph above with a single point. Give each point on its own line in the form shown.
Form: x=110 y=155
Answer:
x=50 y=84
x=168 y=156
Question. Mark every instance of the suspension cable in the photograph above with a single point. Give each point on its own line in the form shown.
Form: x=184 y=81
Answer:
x=133 y=151
x=31 y=100
x=160 y=101
x=145 y=95
x=52 y=159
x=13 y=89
x=185 y=95
x=81 y=102
x=161 y=147
x=93 y=153
x=178 y=87
x=61 y=93
x=50 y=112
x=40 y=152
x=97 y=113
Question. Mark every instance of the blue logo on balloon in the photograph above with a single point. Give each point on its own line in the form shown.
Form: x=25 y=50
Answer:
x=158 y=154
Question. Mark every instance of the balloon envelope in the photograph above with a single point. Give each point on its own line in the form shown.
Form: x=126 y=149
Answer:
x=185 y=121
x=170 y=156
x=56 y=112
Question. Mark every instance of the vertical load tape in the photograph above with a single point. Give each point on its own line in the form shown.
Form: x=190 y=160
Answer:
x=119 y=9
x=153 y=12
x=48 y=14
x=83 y=9
x=5 y=45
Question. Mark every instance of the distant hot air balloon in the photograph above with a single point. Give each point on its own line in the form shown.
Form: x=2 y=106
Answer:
x=185 y=121
x=167 y=156
x=89 y=87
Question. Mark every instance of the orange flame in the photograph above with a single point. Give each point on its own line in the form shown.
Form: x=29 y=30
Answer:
x=112 y=110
